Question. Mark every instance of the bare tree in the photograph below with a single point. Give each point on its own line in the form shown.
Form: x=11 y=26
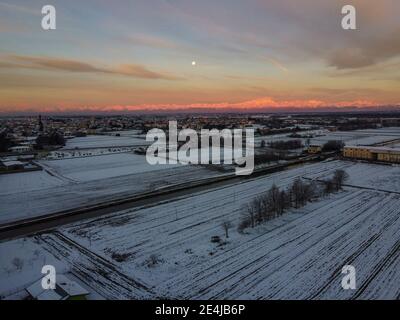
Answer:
x=329 y=187
x=284 y=201
x=260 y=206
x=251 y=213
x=252 y=209
x=297 y=192
x=309 y=191
x=243 y=224
x=339 y=177
x=226 y=225
x=18 y=263
x=274 y=202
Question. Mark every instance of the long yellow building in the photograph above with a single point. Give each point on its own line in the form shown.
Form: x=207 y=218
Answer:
x=373 y=153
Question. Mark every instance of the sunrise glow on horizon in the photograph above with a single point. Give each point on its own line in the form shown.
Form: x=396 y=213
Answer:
x=168 y=55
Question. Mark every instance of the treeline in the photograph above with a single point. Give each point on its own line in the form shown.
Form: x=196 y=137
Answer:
x=333 y=145
x=54 y=138
x=286 y=145
x=275 y=201
x=5 y=142
x=283 y=145
x=266 y=157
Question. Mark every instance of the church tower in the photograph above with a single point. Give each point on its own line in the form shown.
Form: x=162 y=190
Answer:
x=41 y=126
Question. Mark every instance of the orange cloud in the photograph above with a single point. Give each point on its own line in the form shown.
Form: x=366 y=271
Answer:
x=58 y=64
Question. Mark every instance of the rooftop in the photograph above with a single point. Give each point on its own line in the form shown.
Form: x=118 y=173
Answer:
x=375 y=149
x=64 y=288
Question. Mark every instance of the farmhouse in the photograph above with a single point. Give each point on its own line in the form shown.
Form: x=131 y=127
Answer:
x=65 y=290
x=21 y=148
x=373 y=153
x=13 y=165
x=314 y=149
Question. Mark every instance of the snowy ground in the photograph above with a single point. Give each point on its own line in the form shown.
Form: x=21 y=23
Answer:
x=25 y=182
x=101 y=167
x=21 y=265
x=381 y=177
x=73 y=183
x=298 y=256
x=97 y=141
x=127 y=133
x=357 y=137
x=361 y=137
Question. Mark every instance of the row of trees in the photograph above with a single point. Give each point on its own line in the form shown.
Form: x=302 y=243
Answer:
x=336 y=183
x=54 y=138
x=286 y=145
x=275 y=201
x=267 y=156
x=5 y=142
x=333 y=145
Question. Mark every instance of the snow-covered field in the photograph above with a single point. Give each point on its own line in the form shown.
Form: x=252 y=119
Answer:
x=101 y=167
x=73 y=183
x=21 y=265
x=25 y=182
x=365 y=175
x=98 y=141
x=165 y=250
x=358 y=137
x=127 y=133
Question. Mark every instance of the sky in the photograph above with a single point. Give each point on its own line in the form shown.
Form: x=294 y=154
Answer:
x=130 y=55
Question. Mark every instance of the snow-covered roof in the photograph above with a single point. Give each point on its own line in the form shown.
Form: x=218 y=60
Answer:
x=12 y=163
x=35 y=289
x=70 y=287
x=64 y=288
x=375 y=149
x=19 y=148
x=49 y=295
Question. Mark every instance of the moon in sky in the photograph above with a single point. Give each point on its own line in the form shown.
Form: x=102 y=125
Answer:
x=193 y=63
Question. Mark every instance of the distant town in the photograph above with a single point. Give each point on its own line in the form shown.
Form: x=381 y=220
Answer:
x=23 y=139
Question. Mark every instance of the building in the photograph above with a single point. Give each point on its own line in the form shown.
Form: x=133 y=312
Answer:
x=384 y=154
x=314 y=149
x=20 y=149
x=66 y=289
x=13 y=165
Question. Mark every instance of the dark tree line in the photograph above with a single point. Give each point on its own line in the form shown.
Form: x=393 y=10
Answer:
x=266 y=157
x=275 y=201
x=286 y=145
x=333 y=145
x=337 y=181
x=5 y=142
x=54 y=138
